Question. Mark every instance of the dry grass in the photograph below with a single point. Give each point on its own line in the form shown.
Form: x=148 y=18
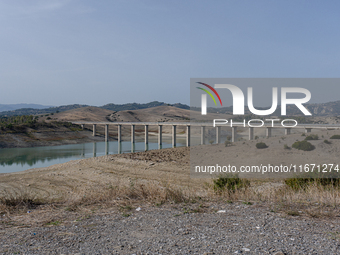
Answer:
x=119 y=193
x=314 y=201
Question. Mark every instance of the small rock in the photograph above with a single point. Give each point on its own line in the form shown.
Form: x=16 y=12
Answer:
x=245 y=249
x=221 y=211
x=138 y=209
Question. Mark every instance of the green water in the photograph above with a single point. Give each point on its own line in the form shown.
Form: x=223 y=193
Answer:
x=20 y=159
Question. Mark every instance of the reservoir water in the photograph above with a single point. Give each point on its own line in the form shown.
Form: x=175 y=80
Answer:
x=20 y=159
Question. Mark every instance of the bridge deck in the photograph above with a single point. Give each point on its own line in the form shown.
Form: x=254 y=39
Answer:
x=202 y=124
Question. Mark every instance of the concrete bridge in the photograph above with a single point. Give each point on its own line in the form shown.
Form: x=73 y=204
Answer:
x=306 y=127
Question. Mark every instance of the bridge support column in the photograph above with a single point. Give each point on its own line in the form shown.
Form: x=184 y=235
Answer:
x=94 y=150
x=146 y=137
x=132 y=138
x=119 y=138
x=308 y=130
x=233 y=134
x=202 y=135
x=268 y=132
x=94 y=130
x=251 y=133
x=188 y=136
x=218 y=135
x=160 y=136
x=287 y=131
x=106 y=148
x=106 y=133
x=173 y=136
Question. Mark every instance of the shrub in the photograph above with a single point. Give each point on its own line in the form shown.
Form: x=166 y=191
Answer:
x=256 y=137
x=312 y=137
x=335 y=137
x=261 y=145
x=227 y=143
x=326 y=141
x=312 y=178
x=286 y=147
x=48 y=118
x=303 y=134
x=303 y=145
x=229 y=182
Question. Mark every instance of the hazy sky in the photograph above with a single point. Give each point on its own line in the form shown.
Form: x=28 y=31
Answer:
x=96 y=52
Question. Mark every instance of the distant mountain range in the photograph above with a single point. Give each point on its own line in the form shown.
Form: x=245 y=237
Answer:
x=324 y=109
x=12 y=107
x=34 y=110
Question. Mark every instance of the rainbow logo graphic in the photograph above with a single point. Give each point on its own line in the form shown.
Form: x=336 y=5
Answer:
x=204 y=97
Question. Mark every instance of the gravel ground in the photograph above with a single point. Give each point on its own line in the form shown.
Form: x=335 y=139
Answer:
x=176 y=229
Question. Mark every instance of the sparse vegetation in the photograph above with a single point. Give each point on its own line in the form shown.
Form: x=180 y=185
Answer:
x=228 y=143
x=327 y=142
x=335 y=137
x=312 y=137
x=261 y=145
x=312 y=179
x=286 y=147
x=230 y=183
x=25 y=124
x=303 y=145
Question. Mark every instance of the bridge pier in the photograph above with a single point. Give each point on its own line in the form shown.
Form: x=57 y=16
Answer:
x=173 y=136
x=132 y=138
x=308 y=130
x=268 y=132
x=251 y=133
x=146 y=137
x=188 y=136
x=94 y=150
x=218 y=135
x=106 y=148
x=119 y=134
x=202 y=135
x=233 y=134
x=94 y=130
x=106 y=133
x=119 y=138
x=287 y=131
x=159 y=136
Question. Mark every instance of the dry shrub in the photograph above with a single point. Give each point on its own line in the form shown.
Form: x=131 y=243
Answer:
x=20 y=200
x=122 y=192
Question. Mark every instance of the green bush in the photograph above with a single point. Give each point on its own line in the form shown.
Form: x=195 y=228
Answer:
x=286 y=147
x=335 y=137
x=256 y=137
x=261 y=145
x=314 y=178
x=326 y=141
x=228 y=143
x=229 y=182
x=303 y=145
x=312 y=137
